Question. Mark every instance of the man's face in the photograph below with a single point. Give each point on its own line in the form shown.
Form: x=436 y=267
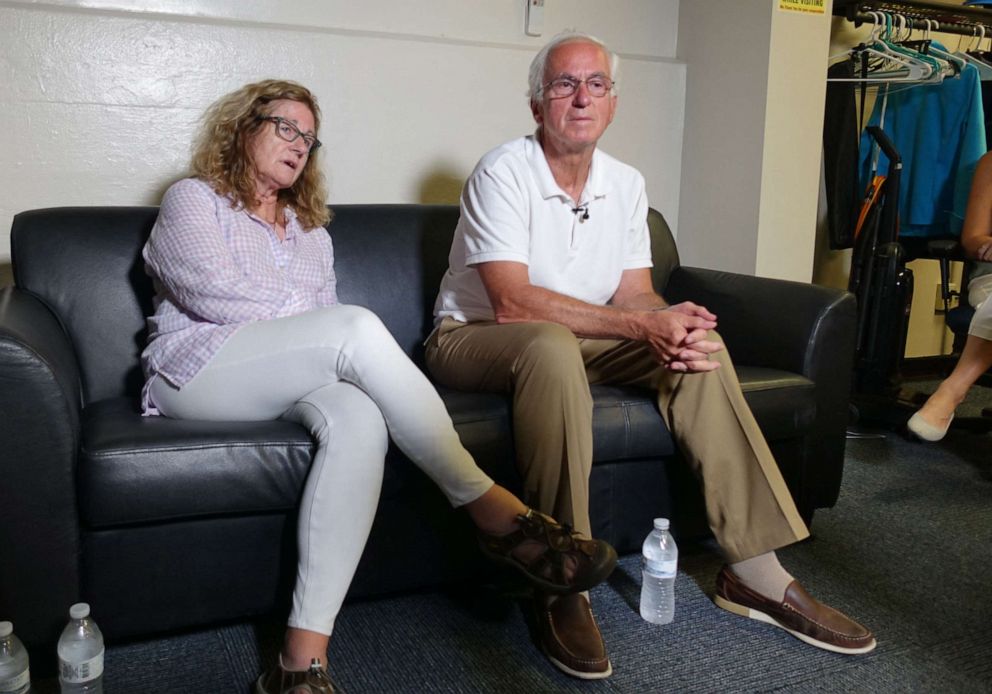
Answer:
x=575 y=123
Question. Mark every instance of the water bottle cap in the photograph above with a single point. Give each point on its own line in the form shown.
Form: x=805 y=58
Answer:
x=79 y=610
x=6 y=629
x=661 y=524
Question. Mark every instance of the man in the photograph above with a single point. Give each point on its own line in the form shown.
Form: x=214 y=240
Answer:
x=549 y=290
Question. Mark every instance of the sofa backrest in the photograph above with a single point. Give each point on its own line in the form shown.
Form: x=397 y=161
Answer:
x=390 y=259
x=85 y=264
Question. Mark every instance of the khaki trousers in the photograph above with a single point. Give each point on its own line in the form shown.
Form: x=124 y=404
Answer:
x=548 y=370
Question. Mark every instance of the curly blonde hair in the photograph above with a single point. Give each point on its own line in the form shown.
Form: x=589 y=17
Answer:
x=220 y=152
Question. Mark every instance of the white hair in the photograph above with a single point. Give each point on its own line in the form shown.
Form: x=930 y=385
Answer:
x=538 y=66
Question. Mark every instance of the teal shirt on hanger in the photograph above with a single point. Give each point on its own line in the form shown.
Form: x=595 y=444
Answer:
x=939 y=131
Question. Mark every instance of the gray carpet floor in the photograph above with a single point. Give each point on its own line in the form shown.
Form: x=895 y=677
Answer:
x=907 y=550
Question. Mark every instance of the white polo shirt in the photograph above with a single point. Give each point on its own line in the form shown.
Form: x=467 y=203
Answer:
x=512 y=209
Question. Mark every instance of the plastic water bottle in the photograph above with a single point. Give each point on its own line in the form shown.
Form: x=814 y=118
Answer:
x=81 y=653
x=661 y=561
x=15 y=676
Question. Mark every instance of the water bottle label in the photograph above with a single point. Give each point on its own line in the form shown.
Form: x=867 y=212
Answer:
x=661 y=568
x=14 y=684
x=77 y=673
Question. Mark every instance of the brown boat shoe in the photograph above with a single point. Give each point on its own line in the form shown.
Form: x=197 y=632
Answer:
x=567 y=564
x=799 y=613
x=569 y=637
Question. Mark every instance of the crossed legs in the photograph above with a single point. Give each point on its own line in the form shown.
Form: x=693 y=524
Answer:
x=339 y=373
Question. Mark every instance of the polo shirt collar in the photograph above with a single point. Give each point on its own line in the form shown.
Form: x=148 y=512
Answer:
x=597 y=185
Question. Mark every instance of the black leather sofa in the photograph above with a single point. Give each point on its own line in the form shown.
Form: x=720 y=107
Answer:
x=163 y=525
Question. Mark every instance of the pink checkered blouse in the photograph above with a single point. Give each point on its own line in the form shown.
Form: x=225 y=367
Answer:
x=215 y=269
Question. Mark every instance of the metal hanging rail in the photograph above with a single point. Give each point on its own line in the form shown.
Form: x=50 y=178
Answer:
x=953 y=19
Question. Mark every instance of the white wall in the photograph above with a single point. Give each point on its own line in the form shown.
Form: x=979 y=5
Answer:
x=101 y=97
x=793 y=144
x=754 y=121
x=725 y=48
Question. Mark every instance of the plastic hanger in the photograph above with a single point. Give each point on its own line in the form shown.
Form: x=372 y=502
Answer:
x=977 y=57
x=892 y=65
x=895 y=25
x=954 y=62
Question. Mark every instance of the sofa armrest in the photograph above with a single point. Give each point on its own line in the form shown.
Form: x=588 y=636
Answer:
x=39 y=426
x=803 y=328
x=796 y=327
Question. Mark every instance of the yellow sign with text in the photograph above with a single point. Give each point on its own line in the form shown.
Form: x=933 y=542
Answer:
x=811 y=6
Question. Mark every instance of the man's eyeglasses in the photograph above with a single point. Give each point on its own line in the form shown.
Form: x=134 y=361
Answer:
x=290 y=133
x=562 y=87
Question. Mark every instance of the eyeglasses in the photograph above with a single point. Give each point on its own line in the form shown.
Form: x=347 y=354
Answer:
x=560 y=87
x=290 y=133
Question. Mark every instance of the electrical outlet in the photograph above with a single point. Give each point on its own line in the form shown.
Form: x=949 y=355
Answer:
x=938 y=303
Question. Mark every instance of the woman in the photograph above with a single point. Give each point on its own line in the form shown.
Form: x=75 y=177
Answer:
x=247 y=327
x=933 y=420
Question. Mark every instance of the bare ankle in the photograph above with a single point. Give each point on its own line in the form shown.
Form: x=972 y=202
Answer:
x=496 y=511
x=940 y=406
x=297 y=663
x=300 y=647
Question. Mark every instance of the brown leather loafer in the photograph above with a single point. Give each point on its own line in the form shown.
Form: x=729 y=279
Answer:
x=570 y=638
x=800 y=614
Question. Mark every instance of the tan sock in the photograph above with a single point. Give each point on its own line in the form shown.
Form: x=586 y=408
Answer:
x=764 y=574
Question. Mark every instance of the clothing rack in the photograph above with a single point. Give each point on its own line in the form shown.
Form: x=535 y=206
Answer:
x=952 y=19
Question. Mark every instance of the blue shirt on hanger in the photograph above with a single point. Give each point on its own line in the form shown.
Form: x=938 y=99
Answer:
x=939 y=131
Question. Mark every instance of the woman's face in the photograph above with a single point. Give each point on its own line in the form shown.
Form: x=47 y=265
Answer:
x=279 y=163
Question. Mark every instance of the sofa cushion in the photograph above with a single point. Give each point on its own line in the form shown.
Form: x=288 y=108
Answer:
x=625 y=421
x=626 y=425
x=784 y=403
x=135 y=469
x=390 y=259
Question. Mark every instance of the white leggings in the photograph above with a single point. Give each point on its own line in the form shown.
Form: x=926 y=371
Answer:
x=340 y=373
x=979 y=290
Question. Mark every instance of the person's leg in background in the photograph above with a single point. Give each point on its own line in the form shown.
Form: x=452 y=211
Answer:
x=931 y=422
